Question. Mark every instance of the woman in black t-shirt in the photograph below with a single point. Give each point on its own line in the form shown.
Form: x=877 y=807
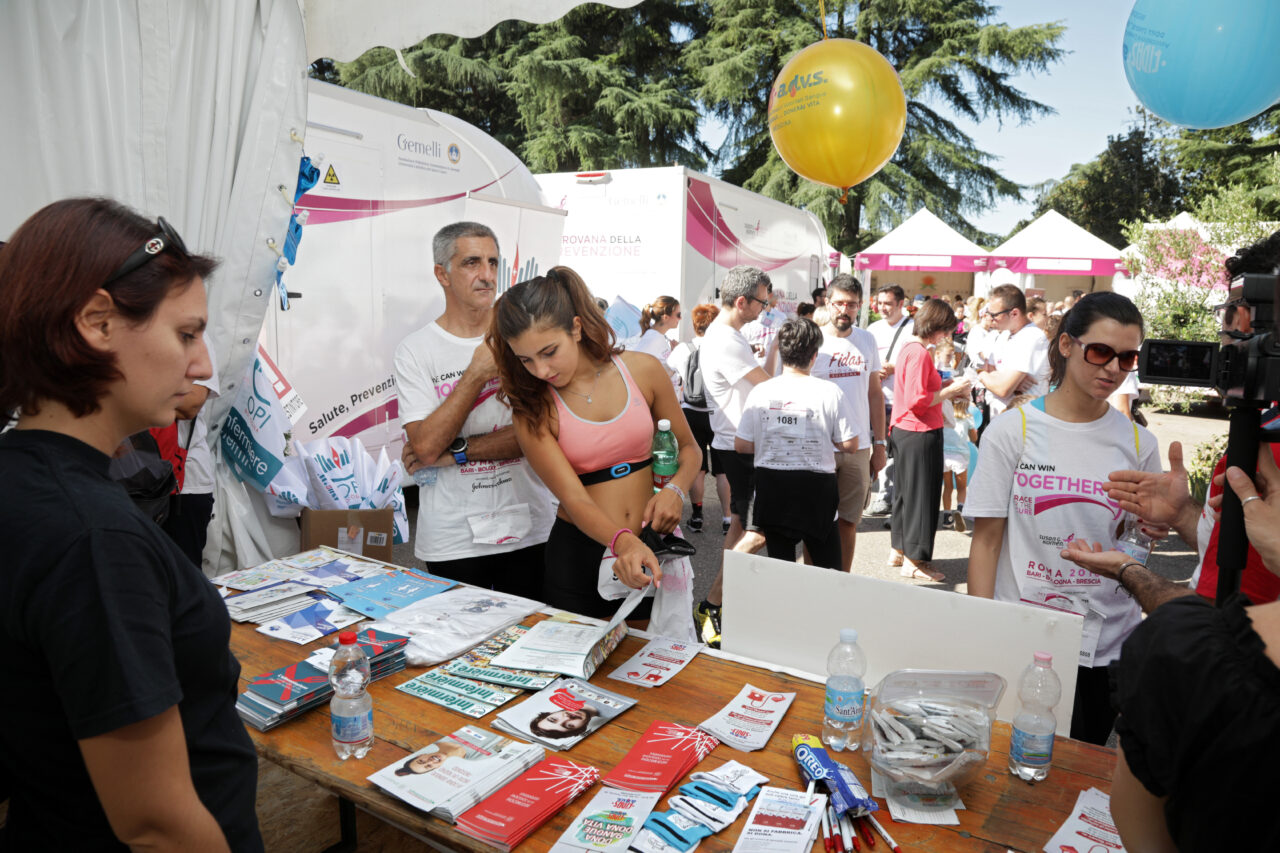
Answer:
x=122 y=727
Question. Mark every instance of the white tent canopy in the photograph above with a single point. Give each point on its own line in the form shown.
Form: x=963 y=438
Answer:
x=196 y=111
x=1055 y=245
x=927 y=236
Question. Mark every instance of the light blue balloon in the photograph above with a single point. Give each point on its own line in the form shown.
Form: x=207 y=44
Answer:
x=1204 y=63
x=973 y=460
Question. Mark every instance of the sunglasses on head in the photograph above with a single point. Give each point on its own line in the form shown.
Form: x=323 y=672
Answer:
x=166 y=239
x=1100 y=355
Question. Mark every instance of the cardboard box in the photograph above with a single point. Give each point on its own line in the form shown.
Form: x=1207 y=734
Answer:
x=368 y=532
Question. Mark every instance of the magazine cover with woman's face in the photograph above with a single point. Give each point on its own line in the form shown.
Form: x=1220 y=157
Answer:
x=563 y=713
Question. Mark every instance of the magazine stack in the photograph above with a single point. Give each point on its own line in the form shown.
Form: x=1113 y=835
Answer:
x=280 y=695
x=458 y=771
x=562 y=714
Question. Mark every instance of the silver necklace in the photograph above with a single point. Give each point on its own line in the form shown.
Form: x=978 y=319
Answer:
x=587 y=396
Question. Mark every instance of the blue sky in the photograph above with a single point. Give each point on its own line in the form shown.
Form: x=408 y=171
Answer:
x=1087 y=88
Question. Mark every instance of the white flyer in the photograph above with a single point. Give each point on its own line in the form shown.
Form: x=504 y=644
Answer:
x=782 y=821
x=750 y=719
x=609 y=822
x=655 y=664
x=1090 y=824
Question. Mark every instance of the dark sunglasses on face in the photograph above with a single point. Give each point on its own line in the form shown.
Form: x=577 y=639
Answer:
x=1100 y=355
x=166 y=239
x=764 y=302
x=995 y=314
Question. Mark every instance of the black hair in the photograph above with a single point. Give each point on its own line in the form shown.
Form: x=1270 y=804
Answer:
x=1092 y=307
x=847 y=283
x=798 y=342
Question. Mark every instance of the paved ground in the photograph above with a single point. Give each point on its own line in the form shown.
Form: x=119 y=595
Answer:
x=1172 y=558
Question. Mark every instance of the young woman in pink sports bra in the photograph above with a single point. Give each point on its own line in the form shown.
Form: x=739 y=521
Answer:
x=584 y=414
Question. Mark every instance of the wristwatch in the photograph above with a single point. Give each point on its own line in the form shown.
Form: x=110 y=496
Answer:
x=459 y=450
x=879 y=442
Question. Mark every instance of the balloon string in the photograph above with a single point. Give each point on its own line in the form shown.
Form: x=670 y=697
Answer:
x=822 y=10
x=844 y=198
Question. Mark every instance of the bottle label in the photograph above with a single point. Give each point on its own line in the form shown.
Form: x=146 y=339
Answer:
x=1141 y=553
x=1031 y=750
x=353 y=729
x=844 y=706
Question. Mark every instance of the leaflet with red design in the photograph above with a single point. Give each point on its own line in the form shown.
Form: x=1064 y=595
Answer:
x=512 y=814
x=750 y=719
x=661 y=758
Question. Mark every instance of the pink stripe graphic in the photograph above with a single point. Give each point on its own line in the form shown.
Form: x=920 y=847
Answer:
x=710 y=236
x=386 y=412
x=1048 y=502
x=325 y=208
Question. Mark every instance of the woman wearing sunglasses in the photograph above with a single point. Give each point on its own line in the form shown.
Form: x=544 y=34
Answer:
x=1038 y=486
x=125 y=730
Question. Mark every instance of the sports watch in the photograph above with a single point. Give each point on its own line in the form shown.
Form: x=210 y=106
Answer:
x=459 y=450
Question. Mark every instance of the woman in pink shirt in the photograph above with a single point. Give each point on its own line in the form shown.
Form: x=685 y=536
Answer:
x=915 y=439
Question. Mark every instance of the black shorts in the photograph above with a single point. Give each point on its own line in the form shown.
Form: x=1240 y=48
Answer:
x=740 y=469
x=700 y=426
x=572 y=577
x=516 y=572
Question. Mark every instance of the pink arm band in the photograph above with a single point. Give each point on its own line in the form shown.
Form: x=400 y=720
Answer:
x=614 y=541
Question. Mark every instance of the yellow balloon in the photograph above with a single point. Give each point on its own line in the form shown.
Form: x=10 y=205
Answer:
x=837 y=112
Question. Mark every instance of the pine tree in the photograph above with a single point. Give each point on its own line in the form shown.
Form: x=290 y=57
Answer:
x=598 y=88
x=954 y=59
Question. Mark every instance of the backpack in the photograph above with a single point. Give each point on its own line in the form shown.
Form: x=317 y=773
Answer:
x=145 y=474
x=695 y=393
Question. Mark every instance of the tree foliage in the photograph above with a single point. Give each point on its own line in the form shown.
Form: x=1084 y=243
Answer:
x=615 y=88
x=954 y=59
x=598 y=88
x=1132 y=179
x=1209 y=160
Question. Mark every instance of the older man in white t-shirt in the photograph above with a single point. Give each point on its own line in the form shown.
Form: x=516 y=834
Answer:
x=729 y=372
x=1019 y=363
x=485 y=516
x=850 y=358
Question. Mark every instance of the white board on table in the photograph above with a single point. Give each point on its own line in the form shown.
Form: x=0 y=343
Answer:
x=790 y=615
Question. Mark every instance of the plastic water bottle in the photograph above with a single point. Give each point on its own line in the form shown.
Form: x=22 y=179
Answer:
x=665 y=455
x=351 y=710
x=1134 y=542
x=842 y=711
x=425 y=476
x=1031 y=748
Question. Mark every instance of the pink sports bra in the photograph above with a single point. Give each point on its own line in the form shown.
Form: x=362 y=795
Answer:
x=595 y=445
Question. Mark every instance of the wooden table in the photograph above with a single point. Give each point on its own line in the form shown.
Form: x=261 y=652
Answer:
x=1001 y=813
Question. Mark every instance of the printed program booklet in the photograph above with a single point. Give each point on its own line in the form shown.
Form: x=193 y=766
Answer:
x=477 y=664
x=750 y=719
x=453 y=774
x=663 y=755
x=562 y=714
x=570 y=648
x=510 y=815
x=383 y=594
x=608 y=823
x=782 y=821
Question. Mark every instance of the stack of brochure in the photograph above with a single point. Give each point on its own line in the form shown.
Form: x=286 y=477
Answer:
x=477 y=664
x=782 y=821
x=457 y=772
x=563 y=713
x=662 y=756
x=272 y=601
x=608 y=823
x=512 y=814
x=280 y=695
x=464 y=695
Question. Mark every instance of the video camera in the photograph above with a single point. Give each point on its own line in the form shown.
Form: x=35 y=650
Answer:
x=1245 y=371
x=1246 y=374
